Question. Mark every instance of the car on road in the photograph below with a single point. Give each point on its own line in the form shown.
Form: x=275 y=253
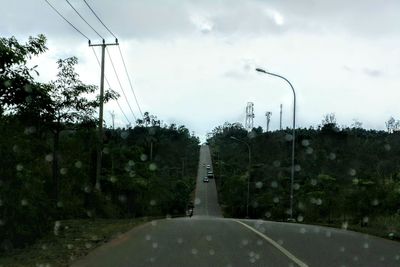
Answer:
x=210 y=174
x=205 y=180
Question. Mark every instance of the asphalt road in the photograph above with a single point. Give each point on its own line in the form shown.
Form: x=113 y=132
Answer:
x=207 y=239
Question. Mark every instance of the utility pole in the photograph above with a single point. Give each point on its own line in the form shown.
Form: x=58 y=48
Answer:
x=268 y=115
x=280 y=119
x=100 y=133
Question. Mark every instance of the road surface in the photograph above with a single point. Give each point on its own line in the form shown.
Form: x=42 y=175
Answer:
x=207 y=239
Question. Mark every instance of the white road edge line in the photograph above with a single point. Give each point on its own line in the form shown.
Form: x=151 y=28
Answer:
x=276 y=245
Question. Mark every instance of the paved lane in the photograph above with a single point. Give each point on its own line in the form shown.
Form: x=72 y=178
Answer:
x=206 y=200
x=207 y=239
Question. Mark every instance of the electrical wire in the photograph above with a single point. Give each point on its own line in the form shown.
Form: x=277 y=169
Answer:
x=122 y=111
x=120 y=52
x=94 y=13
x=76 y=11
x=119 y=81
x=66 y=20
x=130 y=82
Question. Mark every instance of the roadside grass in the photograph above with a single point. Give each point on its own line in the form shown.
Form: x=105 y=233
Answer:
x=387 y=227
x=70 y=240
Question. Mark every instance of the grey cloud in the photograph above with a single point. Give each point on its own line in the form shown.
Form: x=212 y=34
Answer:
x=372 y=72
x=135 y=19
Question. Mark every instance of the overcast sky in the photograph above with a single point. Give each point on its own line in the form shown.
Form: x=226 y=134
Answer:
x=192 y=62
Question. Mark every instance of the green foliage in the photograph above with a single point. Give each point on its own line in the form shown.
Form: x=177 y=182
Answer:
x=347 y=174
x=48 y=148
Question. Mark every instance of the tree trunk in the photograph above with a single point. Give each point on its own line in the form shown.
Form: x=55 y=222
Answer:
x=56 y=172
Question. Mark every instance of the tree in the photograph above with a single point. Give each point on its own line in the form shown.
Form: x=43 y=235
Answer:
x=70 y=107
x=18 y=91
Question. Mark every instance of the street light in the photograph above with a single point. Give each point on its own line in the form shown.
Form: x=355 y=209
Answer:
x=293 y=143
x=248 y=179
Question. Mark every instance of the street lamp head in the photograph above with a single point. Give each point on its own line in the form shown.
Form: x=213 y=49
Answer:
x=260 y=70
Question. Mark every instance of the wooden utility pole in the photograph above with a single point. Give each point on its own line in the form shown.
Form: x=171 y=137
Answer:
x=100 y=132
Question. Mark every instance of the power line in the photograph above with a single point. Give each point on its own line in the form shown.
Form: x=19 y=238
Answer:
x=66 y=20
x=94 y=13
x=123 y=61
x=119 y=81
x=76 y=11
x=130 y=82
x=119 y=106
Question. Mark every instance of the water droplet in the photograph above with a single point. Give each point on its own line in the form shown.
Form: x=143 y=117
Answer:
x=259 y=185
x=300 y=218
x=152 y=167
x=70 y=246
x=197 y=201
x=274 y=184
x=113 y=179
x=245 y=242
x=276 y=163
x=60 y=204
x=280 y=242
x=15 y=148
x=49 y=157
x=328 y=234
x=297 y=168
x=387 y=147
x=209 y=237
x=313 y=182
x=382 y=258
x=268 y=214
x=78 y=164
x=179 y=240
x=24 y=202
x=148 y=237
x=366 y=245
x=352 y=172
x=153 y=223
x=106 y=150
x=296 y=186
x=288 y=137
x=63 y=171
x=19 y=167
x=153 y=202
x=332 y=156
x=122 y=198
x=88 y=245
x=155 y=245
x=124 y=135
x=342 y=249
x=375 y=202
x=211 y=252
x=345 y=225
x=2 y=222
x=143 y=157
x=397 y=257
x=305 y=142
x=194 y=251
x=260 y=242
x=318 y=201
x=309 y=150
x=275 y=199
x=303 y=230
x=365 y=220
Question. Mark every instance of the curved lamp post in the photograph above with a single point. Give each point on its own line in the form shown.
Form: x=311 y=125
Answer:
x=293 y=138
x=248 y=179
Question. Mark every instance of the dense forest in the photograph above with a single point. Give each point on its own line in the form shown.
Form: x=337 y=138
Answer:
x=343 y=175
x=48 y=148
